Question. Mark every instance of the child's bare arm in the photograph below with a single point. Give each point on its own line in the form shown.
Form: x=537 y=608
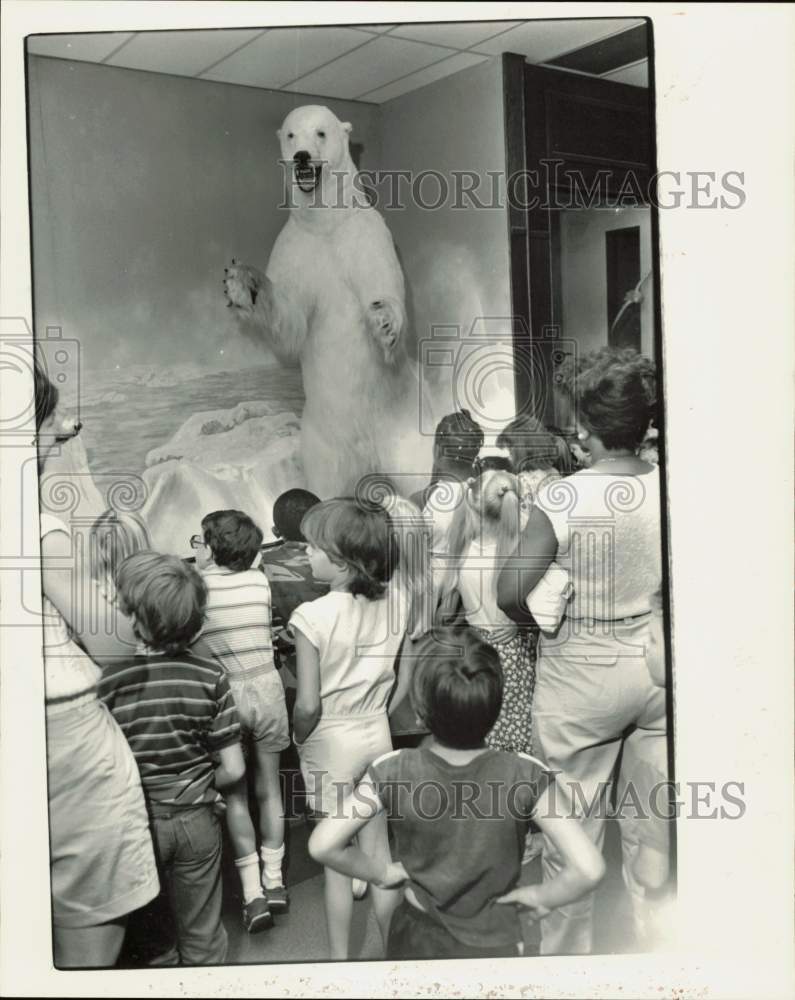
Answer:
x=405 y=668
x=583 y=865
x=330 y=843
x=99 y=626
x=231 y=766
x=307 y=700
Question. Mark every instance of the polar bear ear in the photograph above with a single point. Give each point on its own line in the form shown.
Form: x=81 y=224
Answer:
x=278 y=133
x=347 y=128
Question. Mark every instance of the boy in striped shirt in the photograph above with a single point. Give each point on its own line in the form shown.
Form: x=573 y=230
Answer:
x=237 y=632
x=178 y=715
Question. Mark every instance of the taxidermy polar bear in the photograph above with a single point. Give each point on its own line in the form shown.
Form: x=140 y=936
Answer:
x=333 y=298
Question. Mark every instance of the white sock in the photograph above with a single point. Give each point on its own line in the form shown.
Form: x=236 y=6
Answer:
x=272 y=858
x=248 y=870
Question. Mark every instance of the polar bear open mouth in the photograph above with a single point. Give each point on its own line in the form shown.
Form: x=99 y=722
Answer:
x=307 y=177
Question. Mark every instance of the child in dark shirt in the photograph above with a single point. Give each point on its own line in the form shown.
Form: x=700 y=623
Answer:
x=286 y=565
x=458 y=811
x=178 y=714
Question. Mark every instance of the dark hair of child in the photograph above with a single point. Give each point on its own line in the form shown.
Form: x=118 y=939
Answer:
x=166 y=595
x=46 y=394
x=458 y=439
x=359 y=535
x=288 y=512
x=533 y=447
x=456 y=687
x=233 y=538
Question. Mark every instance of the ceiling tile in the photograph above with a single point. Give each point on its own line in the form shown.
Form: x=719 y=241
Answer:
x=463 y=60
x=637 y=74
x=87 y=48
x=540 y=41
x=620 y=49
x=282 y=54
x=374 y=65
x=458 y=35
x=183 y=53
x=375 y=29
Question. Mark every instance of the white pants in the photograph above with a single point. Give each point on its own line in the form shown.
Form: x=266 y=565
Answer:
x=590 y=689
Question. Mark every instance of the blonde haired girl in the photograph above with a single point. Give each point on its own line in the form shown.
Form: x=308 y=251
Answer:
x=483 y=534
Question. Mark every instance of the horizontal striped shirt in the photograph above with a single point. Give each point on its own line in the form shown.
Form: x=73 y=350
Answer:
x=176 y=712
x=237 y=623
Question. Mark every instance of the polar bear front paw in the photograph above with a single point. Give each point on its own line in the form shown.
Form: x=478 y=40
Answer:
x=385 y=319
x=243 y=285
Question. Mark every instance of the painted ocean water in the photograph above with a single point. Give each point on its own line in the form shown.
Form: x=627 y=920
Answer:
x=126 y=414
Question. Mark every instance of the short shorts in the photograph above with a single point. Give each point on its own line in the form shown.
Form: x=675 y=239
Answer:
x=336 y=754
x=262 y=710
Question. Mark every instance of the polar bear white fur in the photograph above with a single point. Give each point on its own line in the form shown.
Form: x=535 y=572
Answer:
x=333 y=298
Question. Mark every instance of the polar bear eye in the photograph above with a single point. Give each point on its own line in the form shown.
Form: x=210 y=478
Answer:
x=321 y=135
x=290 y=135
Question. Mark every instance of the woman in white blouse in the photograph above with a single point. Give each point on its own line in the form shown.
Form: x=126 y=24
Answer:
x=593 y=688
x=102 y=860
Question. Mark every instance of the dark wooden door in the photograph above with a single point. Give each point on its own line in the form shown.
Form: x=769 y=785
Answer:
x=572 y=142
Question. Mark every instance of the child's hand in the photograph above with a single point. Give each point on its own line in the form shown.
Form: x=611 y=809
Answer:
x=394 y=876
x=526 y=896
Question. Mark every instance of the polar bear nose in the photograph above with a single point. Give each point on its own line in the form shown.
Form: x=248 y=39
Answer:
x=302 y=157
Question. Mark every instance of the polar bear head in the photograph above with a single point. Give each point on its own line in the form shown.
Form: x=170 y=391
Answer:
x=316 y=157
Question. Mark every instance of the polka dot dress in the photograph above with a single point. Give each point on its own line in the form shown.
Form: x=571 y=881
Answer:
x=513 y=729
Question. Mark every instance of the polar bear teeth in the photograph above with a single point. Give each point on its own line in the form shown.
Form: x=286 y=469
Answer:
x=307 y=178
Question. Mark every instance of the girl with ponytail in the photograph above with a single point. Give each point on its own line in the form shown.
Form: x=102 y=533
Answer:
x=483 y=534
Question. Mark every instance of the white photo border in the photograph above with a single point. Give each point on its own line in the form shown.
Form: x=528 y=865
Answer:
x=725 y=80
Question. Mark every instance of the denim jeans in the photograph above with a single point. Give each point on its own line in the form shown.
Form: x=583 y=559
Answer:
x=188 y=851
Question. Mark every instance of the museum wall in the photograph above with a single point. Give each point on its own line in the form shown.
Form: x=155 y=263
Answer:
x=145 y=186
x=455 y=258
x=582 y=264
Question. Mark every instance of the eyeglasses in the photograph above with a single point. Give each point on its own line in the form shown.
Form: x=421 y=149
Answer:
x=197 y=542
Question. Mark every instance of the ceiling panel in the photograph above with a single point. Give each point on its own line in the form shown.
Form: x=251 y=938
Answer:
x=282 y=54
x=184 y=53
x=372 y=62
x=457 y=36
x=87 y=48
x=374 y=65
x=637 y=74
x=463 y=60
x=541 y=41
x=607 y=54
x=376 y=29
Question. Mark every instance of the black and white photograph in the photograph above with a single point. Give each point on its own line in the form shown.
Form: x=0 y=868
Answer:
x=366 y=550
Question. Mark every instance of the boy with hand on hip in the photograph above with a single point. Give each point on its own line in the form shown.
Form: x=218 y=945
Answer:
x=177 y=712
x=459 y=811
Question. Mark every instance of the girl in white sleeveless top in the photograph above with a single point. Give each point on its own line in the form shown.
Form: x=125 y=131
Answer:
x=346 y=645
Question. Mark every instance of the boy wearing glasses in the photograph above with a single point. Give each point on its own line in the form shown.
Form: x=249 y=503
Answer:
x=237 y=632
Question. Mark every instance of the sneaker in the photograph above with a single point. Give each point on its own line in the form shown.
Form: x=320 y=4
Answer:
x=359 y=888
x=257 y=915
x=278 y=900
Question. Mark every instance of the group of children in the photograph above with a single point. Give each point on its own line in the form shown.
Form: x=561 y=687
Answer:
x=334 y=601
